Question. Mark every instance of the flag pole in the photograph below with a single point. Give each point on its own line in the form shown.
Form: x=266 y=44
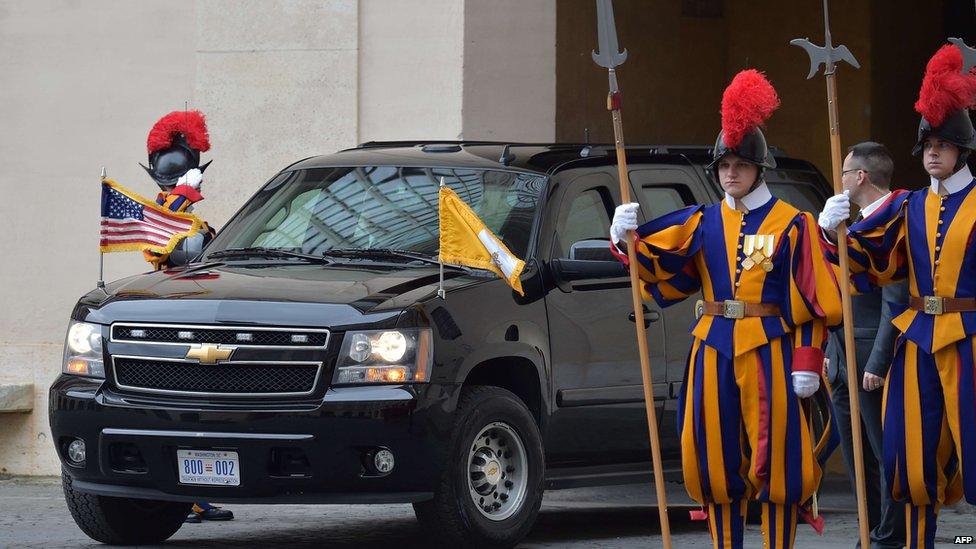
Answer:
x=609 y=57
x=100 y=283
x=828 y=56
x=440 y=284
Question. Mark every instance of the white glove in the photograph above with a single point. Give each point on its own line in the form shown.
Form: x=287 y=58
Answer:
x=805 y=383
x=837 y=209
x=624 y=219
x=192 y=178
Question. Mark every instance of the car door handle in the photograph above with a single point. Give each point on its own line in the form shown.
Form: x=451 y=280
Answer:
x=649 y=316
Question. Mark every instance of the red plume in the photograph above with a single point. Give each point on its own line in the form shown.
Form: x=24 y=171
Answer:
x=746 y=104
x=189 y=123
x=945 y=89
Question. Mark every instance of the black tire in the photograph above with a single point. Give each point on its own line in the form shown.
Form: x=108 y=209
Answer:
x=452 y=518
x=123 y=521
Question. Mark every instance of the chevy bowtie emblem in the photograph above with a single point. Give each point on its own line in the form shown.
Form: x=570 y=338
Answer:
x=208 y=353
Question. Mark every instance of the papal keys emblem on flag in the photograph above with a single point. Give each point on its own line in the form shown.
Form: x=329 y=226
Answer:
x=132 y=223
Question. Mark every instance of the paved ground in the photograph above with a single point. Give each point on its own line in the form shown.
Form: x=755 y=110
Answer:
x=32 y=514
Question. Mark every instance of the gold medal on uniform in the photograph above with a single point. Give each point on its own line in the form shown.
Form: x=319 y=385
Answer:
x=758 y=250
x=766 y=246
x=770 y=248
x=748 y=246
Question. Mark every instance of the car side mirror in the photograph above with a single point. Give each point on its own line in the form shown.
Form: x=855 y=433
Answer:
x=591 y=250
x=588 y=259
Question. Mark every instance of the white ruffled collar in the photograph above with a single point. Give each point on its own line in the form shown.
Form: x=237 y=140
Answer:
x=955 y=182
x=754 y=200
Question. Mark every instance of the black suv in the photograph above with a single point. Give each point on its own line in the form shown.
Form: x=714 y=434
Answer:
x=306 y=356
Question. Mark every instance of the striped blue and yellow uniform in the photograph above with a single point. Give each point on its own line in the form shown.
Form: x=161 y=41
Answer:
x=930 y=392
x=744 y=432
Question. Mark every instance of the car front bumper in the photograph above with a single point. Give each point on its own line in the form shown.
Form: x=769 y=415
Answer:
x=293 y=452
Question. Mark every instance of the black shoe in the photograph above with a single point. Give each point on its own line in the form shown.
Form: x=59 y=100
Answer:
x=216 y=513
x=193 y=518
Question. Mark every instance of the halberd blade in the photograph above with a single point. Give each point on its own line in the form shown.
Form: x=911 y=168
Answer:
x=968 y=54
x=608 y=56
x=820 y=55
x=844 y=54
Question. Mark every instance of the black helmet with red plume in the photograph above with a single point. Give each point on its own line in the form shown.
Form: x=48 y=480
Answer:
x=944 y=102
x=174 y=145
x=746 y=104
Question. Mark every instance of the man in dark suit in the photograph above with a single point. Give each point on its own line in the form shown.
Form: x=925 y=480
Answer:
x=867 y=175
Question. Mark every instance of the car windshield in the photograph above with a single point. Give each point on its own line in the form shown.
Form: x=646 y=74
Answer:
x=315 y=211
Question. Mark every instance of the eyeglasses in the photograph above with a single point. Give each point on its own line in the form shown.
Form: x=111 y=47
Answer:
x=845 y=172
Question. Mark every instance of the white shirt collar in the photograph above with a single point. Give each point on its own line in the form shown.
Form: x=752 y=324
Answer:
x=756 y=199
x=955 y=183
x=870 y=208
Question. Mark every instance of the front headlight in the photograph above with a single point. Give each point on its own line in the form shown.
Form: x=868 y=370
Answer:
x=83 y=350
x=385 y=356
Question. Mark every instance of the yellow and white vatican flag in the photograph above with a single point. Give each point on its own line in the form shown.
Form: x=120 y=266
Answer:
x=465 y=240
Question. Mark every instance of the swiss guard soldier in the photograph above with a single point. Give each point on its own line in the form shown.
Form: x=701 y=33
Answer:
x=769 y=296
x=174 y=145
x=926 y=236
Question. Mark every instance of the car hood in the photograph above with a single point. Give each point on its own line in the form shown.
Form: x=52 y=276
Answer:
x=282 y=293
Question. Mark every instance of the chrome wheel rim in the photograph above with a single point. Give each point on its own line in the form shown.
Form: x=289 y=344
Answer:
x=497 y=471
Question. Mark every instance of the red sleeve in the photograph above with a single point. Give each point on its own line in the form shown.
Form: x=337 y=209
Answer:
x=808 y=359
x=620 y=254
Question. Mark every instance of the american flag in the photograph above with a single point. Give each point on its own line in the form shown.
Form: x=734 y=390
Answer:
x=130 y=222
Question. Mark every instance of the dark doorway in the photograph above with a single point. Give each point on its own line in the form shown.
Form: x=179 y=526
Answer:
x=683 y=54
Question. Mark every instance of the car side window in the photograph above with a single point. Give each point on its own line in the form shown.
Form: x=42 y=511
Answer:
x=665 y=189
x=587 y=218
x=659 y=200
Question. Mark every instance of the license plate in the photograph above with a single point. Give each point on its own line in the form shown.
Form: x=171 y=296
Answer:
x=208 y=467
